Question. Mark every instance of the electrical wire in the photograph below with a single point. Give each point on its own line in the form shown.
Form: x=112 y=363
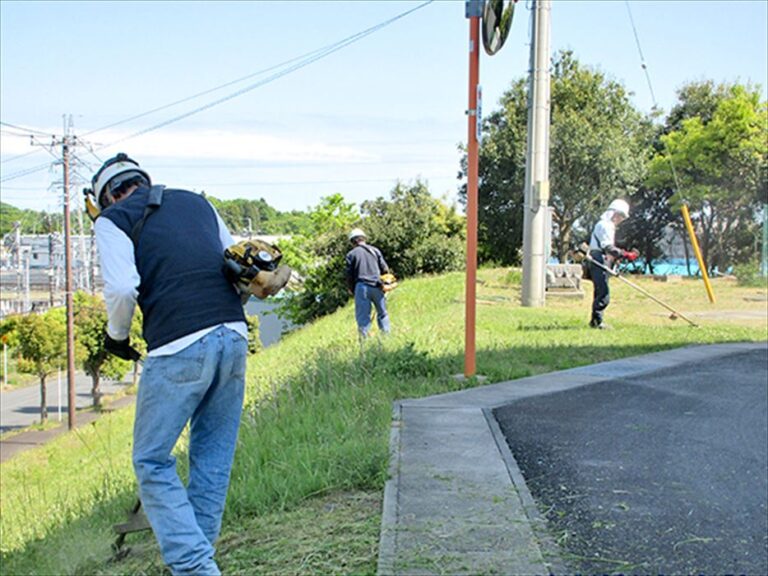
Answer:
x=35 y=151
x=27 y=130
x=303 y=61
x=221 y=86
x=26 y=172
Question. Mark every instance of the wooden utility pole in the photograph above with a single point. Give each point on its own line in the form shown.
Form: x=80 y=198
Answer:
x=67 y=142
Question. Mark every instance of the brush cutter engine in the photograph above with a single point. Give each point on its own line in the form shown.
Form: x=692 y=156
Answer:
x=253 y=266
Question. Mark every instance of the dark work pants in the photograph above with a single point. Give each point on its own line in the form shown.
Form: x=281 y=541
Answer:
x=602 y=295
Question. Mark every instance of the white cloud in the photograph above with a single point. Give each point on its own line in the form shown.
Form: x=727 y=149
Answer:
x=211 y=145
x=223 y=145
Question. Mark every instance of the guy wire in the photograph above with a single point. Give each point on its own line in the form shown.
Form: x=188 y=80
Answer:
x=653 y=96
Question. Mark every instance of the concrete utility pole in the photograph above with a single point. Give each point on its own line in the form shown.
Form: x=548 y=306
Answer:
x=764 y=261
x=51 y=272
x=26 y=254
x=68 y=283
x=537 y=161
x=84 y=282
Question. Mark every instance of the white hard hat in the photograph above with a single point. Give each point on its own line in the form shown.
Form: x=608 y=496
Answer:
x=113 y=173
x=620 y=206
x=356 y=233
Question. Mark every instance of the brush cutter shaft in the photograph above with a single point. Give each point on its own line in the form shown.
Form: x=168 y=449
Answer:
x=639 y=289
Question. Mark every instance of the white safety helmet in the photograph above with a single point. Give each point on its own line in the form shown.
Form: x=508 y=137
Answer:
x=620 y=206
x=356 y=233
x=111 y=176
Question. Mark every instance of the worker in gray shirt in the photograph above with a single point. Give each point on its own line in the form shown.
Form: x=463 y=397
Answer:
x=364 y=267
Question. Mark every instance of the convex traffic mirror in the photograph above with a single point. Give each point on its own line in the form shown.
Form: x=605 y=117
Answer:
x=497 y=20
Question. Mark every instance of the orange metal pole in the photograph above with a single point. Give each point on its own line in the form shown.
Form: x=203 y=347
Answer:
x=472 y=183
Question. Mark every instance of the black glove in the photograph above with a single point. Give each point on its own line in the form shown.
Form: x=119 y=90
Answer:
x=121 y=348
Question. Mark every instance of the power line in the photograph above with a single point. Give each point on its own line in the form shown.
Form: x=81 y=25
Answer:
x=303 y=61
x=221 y=86
x=26 y=172
x=28 y=130
x=20 y=156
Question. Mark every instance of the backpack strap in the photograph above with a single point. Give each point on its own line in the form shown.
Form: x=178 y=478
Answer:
x=600 y=246
x=372 y=252
x=153 y=203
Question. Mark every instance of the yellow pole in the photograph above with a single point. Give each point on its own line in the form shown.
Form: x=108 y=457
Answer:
x=702 y=266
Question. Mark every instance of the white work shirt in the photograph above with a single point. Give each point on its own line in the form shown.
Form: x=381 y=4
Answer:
x=121 y=283
x=604 y=235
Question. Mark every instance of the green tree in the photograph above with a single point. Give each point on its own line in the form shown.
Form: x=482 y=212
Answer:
x=90 y=316
x=8 y=338
x=596 y=154
x=694 y=100
x=293 y=222
x=241 y=215
x=647 y=226
x=31 y=221
x=317 y=255
x=254 y=340
x=502 y=179
x=42 y=346
x=721 y=163
x=417 y=233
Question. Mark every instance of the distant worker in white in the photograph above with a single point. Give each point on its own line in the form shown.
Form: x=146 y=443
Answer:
x=602 y=249
x=164 y=249
x=364 y=268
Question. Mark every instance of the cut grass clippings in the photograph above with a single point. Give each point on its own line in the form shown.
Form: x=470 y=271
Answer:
x=312 y=456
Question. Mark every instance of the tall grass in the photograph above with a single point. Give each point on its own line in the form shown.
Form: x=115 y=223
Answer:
x=318 y=411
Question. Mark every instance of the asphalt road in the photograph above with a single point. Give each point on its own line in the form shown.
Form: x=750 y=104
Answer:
x=662 y=474
x=20 y=408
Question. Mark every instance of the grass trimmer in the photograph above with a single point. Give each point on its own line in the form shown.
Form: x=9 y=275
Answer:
x=584 y=249
x=137 y=522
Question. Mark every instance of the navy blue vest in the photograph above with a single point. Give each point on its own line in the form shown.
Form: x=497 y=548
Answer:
x=179 y=258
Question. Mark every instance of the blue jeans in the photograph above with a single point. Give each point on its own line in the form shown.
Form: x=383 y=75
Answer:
x=203 y=383
x=365 y=297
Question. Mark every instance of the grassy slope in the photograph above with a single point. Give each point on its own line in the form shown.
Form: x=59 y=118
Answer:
x=306 y=487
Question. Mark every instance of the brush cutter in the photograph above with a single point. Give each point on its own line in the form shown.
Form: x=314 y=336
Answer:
x=137 y=522
x=584 y=249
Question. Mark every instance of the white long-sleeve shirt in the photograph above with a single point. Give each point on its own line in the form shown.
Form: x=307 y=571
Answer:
x=604 y=235
x=121 y=283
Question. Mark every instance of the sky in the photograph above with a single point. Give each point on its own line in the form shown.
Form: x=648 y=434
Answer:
x=387 y=107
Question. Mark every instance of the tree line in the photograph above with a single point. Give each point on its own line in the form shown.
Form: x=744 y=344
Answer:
x=241 y=216
x=39 y=343
x=710 y=152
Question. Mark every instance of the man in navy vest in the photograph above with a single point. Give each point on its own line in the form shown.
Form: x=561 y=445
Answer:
x=166 y=256
x=364 y=267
